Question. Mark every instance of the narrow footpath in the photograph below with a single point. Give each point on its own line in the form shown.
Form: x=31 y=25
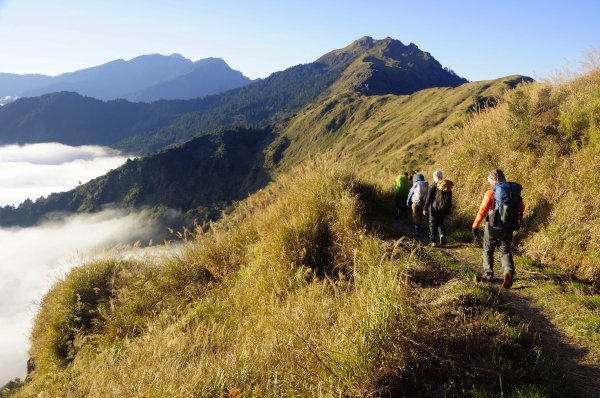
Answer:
x=578 y=360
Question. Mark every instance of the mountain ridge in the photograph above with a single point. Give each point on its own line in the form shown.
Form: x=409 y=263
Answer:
x=117 y=78
x=208 y=76
x=340 y=126
x=262 y=102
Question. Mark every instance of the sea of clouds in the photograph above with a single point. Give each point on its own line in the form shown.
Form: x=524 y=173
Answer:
x=31 y=171
x=32 y=259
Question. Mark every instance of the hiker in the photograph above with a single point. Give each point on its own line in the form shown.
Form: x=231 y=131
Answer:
x=502 y=207
x=410 y=180
x=416 y=201
x=401 y=187
x=438 y=204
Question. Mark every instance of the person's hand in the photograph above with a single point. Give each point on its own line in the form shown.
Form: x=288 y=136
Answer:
x=424 y=212
x=475 y=232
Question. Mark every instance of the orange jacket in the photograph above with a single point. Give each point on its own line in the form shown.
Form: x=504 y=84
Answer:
x=487 y=206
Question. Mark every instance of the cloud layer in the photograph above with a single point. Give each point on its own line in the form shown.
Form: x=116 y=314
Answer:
x=31 y=259
x=35 y=170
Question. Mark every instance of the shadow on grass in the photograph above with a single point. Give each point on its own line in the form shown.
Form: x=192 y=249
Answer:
x=569 y=357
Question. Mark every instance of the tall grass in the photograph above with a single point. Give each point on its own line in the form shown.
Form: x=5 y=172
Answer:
x=546 y=137
x=290 y=295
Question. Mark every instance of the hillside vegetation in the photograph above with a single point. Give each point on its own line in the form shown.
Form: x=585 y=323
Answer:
x=202 y=176
x=387 y=66
x=546 y=137
x=381 y=135
x=290 y=295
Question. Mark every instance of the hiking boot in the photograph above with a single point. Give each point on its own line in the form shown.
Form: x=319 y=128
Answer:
x=442 y=240
x=487 y=278
x=508 y=280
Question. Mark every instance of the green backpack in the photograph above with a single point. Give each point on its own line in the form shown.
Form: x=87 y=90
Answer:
x=402 y=185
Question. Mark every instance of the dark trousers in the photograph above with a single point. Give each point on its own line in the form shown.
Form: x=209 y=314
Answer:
x=436 y=226
x=501 y=239
x=401 y=206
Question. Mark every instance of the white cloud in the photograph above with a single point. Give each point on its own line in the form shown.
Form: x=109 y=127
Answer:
x=35 y=170
x=31 y=260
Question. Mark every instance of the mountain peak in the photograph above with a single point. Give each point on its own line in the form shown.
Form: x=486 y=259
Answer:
x=387 y=66
x=211 y=61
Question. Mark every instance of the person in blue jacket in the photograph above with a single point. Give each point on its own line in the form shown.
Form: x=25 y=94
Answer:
x=416 y=200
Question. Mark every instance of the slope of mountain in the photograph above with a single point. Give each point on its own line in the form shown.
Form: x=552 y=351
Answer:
x=203 y=175
x=280 y=95
x=284 y=93
x=386 y=134
x=380 y=133
x=13 y=85
x=72 y=119
x=291 y=295
x=208 y=76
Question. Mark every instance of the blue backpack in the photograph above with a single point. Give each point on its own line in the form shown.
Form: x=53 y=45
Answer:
x=507 y=213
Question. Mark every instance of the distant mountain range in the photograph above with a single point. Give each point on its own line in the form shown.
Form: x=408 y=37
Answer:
x=204 y=175
x=143 y=79
x=367 y=66
x=372 y=101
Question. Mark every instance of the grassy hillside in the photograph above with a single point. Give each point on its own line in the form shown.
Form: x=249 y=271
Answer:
x=547 y=137
x=383 y=135
x=366 y=66
x=290 y=295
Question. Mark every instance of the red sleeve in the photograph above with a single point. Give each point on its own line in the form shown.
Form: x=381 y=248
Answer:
x=486 y=205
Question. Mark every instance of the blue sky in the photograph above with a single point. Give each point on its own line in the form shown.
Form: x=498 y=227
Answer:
x=478 y=41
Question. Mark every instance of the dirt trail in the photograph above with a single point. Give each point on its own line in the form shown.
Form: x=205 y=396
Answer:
x=569 y=356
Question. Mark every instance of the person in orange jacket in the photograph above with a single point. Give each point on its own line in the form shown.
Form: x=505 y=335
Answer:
x=494 y=236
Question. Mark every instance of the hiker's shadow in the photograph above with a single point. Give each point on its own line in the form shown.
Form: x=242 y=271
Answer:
x=569 y=356
x=538 y=216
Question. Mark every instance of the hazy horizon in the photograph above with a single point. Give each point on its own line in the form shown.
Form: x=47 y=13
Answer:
x=478 y=41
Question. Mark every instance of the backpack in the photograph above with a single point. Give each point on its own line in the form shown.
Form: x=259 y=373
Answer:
x=420 y=192
x=402 y=185
x=442 y=201
x=507 y=213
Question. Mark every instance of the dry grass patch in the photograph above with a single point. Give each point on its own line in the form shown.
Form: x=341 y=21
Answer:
x=288 y=296
x=545 y=137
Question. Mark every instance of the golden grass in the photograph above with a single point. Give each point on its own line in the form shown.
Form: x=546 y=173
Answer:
x=547 y=138
x=287 y=296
